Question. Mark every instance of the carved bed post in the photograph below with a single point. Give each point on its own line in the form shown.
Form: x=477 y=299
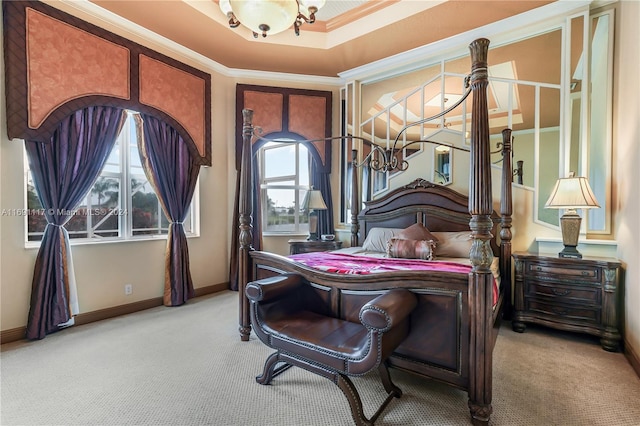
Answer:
x=481 y=256
x=355 y=199
x=245 y=207
x=506 y=210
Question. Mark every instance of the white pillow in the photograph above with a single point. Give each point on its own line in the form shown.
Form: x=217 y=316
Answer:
x=453 y=244
x=377 y=239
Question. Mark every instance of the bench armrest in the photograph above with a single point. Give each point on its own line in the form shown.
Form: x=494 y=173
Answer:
x=388 y=310
x=272 y=288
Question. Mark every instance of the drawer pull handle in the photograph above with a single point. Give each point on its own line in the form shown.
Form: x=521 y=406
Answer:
x=560 y=292
x=559 y=311
x=538 y=268
x=585 y=273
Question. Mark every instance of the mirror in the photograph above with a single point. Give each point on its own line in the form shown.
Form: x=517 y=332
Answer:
x=600 y=117
x=442 y=164
x=557 y=125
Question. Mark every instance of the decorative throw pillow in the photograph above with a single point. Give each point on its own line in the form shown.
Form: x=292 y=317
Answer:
x=377 y=239
x=417 y=231
x=410 y=249
x=453 y=244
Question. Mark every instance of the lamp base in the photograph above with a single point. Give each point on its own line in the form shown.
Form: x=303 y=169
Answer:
x=570 y=252
x=313 y=226
x=570 y=225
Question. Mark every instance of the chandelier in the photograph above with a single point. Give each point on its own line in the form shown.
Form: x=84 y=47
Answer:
x=270 y=16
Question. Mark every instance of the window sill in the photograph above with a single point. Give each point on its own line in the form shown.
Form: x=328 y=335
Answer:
x=288 y=235
x=36 y=244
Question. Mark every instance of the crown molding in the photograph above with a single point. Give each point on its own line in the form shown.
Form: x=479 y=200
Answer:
x=284 y=77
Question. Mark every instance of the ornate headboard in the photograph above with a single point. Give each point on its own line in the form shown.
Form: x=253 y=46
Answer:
x=437 y=207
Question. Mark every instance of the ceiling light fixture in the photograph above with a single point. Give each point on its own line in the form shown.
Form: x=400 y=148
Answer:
x=270 y=16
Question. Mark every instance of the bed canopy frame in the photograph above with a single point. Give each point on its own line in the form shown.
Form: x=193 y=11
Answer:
x=483 y=320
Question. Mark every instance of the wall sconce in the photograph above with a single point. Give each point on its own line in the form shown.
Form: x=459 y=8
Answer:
x=313 y=202
x=518 y=171
x=571 y=193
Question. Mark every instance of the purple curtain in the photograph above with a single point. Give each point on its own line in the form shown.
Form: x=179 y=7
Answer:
x=64 y=170
x=322 y=182
x=173 y=173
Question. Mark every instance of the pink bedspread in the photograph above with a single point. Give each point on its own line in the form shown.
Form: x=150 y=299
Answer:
x=341 y=263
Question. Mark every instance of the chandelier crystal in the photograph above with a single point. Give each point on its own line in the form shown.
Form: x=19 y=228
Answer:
x=270 y=16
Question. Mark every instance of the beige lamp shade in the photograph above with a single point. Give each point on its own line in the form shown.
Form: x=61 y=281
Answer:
x=314 y=200
x=572 y=193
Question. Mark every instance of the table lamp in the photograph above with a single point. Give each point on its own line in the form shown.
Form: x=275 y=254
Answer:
x=571 y=193
x=313 y=202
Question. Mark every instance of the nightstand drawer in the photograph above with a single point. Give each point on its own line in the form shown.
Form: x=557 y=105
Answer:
x=581 y=273
x=564 y=312
x=564 y=294
x=568 y=294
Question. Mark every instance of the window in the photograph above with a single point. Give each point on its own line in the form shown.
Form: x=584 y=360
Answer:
x=284 y=171
x=111 y=210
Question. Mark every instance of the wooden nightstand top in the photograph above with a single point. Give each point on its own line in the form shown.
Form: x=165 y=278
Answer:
x=553 y=257
x=297 y=246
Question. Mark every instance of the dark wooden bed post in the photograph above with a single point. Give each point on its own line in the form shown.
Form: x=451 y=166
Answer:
x=481 y=256
x=506 y=211
x=355 y=199
x=245 y=207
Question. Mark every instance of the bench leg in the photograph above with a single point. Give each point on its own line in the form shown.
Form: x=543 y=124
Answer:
x=389 y=386
x=341 y=380
x=270 y=371
x=350 y=391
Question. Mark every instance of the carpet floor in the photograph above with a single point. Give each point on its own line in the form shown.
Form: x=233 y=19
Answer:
x=187 y=366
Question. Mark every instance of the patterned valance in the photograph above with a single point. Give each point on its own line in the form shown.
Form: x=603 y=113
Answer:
x=281 y=112
x=56 y=64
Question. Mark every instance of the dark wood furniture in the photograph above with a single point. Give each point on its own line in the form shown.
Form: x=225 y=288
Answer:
x=454 y=327
x=306 y=246
x=306 y=334
x=568 y=294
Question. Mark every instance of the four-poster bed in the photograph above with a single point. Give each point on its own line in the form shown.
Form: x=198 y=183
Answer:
x=454 y=326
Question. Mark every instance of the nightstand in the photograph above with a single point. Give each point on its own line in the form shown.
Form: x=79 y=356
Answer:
x=578 y=295
x=305 y=246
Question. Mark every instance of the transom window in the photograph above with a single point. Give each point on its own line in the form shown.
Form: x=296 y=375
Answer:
x=284 y=172
x=111 y=210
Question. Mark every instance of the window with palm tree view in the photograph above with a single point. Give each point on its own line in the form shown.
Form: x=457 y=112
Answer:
x=112 y=210
x=284 y=171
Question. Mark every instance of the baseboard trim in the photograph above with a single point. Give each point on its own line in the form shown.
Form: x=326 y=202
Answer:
x=15 y=334
x=632 y=357
x=203 y=291
x=116 y=311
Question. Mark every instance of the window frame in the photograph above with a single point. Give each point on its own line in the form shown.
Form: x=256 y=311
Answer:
x=267 y=183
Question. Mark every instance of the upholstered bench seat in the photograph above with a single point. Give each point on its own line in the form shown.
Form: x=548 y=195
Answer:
x=326 y=345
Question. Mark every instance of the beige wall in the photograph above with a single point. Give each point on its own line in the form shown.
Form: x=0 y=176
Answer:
x=627 y=160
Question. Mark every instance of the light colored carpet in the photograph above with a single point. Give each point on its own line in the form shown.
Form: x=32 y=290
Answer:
x=187 y=366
